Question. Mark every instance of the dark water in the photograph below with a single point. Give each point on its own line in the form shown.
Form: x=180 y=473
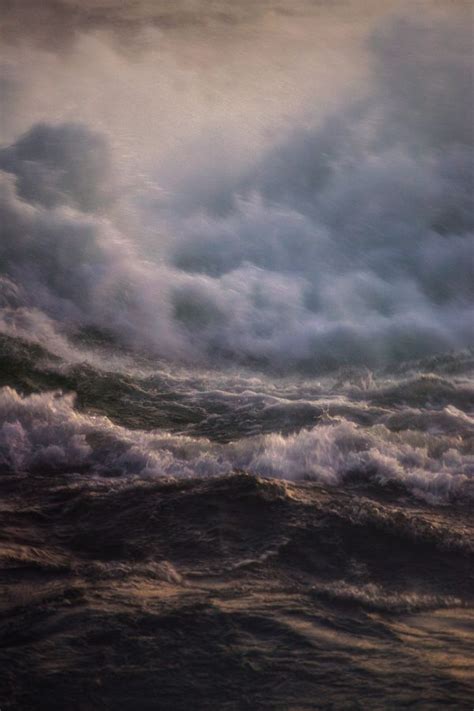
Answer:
x=231 y=593
x=155 y=554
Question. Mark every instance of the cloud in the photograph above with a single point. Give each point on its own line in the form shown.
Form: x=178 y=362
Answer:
x=65 y=164
x=56 y=23
x=344 y=240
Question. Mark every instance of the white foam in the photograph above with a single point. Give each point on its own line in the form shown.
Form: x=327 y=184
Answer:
x=46 y=433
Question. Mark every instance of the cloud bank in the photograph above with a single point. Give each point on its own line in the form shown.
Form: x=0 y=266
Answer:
x=346 y=239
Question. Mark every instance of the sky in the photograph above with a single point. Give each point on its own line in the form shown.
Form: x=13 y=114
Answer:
x=287 y=184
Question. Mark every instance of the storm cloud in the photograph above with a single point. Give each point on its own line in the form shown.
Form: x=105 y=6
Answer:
x=343 y=235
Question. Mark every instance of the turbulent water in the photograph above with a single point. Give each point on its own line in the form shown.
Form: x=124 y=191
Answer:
x=176 y=537
x=412 y=429
x=236 y=355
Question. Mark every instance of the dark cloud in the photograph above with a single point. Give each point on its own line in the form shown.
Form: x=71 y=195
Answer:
x=64 y=164
x=58 y=249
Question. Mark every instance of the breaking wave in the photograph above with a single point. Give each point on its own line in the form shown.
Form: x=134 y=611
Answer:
x=45 y=433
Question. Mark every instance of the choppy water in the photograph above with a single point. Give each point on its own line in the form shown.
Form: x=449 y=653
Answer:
x=234 y=538
x=236 y=365
x=411 y=428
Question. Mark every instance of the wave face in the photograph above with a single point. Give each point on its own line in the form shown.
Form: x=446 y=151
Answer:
x=234 y=592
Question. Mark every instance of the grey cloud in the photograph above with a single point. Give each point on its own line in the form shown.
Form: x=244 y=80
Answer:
x=63 y=164
x=350 y=240
x=373 y=208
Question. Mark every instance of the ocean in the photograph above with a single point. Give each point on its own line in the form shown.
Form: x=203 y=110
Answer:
x=231 y=540
x=236 y=355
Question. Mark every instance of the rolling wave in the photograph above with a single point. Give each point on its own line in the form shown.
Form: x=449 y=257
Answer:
x=415 y=432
